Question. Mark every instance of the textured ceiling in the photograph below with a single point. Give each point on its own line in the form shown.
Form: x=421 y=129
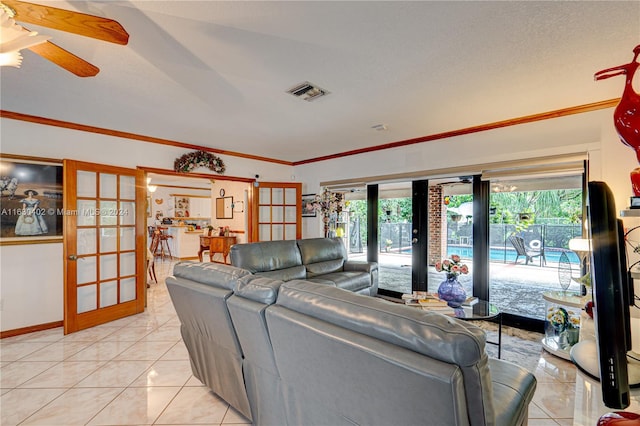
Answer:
x=216 y=73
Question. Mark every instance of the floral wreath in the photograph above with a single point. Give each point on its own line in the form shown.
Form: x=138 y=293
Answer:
x=190 y=161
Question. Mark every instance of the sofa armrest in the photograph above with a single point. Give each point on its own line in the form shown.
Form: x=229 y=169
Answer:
x=361 y=266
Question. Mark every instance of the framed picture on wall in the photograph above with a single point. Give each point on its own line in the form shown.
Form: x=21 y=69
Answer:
x=307 y=205
x=31 y=208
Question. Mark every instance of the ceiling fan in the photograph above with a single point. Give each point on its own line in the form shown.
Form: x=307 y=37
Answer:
x=462 y=180
x=69 y=21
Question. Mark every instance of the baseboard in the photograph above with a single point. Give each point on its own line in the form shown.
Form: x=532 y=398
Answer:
x=30 y=329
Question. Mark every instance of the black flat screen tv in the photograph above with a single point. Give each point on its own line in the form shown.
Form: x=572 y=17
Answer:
x=612 y=295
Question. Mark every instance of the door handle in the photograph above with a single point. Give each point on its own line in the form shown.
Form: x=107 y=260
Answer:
x=73 y=257
x=414 y=241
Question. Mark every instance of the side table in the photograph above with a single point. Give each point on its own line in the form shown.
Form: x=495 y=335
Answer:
x=559 y=340
x=483 y=311
x=215 y=244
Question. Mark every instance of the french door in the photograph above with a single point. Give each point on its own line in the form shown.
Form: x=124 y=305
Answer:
x=415 y=225
x=104 y=244
x=277 y=213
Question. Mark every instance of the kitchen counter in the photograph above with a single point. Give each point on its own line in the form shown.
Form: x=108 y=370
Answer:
x=184 y=244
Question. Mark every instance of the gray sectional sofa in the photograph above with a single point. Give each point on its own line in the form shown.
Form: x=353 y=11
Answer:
x=307 y=353
x=321 y=260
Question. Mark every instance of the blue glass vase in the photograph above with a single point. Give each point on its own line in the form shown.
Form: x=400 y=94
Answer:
x=452 y=291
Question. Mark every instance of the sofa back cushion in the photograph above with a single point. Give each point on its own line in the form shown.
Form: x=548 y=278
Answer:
x=266 y=256
x=429 y=333
x=212 y=274
x=322 y=255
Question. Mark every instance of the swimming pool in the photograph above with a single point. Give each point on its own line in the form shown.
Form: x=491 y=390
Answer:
x=499 y=254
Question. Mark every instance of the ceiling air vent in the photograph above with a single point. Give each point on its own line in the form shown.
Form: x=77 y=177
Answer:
x=307 y=91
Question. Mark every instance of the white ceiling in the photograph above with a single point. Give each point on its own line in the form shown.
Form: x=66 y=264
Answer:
x=215 y=73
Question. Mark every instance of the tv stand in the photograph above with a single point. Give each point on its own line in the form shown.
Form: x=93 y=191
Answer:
x=584 y=355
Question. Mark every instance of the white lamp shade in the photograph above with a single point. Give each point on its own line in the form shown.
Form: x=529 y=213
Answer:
x=580 y=245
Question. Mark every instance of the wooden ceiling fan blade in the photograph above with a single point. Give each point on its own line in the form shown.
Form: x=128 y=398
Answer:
x=69 y=21
x=65 y=59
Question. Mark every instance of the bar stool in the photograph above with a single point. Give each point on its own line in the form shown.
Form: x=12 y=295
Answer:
x=160 y=242
x=151 y=267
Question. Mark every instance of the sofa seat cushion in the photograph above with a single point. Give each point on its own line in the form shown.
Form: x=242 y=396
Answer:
x=352 y=281
x=513 y=389
x=287 y=274
x=326 y=267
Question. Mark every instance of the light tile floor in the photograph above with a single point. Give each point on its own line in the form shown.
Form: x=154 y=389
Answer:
x=136 y=371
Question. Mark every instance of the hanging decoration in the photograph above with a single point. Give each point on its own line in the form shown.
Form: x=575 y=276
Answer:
x=188 y=162
x=329 y=204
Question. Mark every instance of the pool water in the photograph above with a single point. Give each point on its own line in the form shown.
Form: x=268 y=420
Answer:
x=509 y=255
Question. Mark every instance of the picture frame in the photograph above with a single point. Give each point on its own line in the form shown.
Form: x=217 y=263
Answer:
x=307 y=205
x=31 y=200
x=224 y=208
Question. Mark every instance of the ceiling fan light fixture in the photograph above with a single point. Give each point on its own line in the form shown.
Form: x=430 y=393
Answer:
x=14 y=38
x=11 y=59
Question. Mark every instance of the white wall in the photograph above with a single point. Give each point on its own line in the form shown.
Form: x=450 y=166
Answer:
x=30 y=285
x=239 y=191
x=36 y=297
x=592 y=132
x=31 y=278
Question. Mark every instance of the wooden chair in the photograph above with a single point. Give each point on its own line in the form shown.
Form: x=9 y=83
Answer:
x=160 y=243
x=521 y=250
x=151 y=267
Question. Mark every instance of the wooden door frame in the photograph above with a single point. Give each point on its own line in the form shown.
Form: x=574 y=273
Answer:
x=71 y=321
x=255 y=203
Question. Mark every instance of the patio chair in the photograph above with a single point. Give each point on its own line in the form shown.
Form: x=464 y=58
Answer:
x=521 y=250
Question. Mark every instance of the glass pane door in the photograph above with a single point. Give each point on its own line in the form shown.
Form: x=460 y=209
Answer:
x=531 y=223
x=450 y=229
x=101 y=249
x=278 y=211
x=395 y=215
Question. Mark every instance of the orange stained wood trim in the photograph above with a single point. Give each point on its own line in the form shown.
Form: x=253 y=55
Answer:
x=474 y=129
x=102 y=131
x=195 y=175
x=180 y=187
x=27 y=158
x=30 y=329
x=428 y=138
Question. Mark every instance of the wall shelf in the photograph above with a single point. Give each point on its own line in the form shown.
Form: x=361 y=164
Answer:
x=630 y=213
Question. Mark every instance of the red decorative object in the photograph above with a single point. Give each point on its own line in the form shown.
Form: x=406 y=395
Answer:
x=619 y=418
x=635 y=181
x=588 y=307
x=626 y=116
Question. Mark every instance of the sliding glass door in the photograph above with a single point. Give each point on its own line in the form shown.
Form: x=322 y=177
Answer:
x=418 y=224
x=395 y=235
x=451 y=223
x=511 y=226
x=531 y=224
